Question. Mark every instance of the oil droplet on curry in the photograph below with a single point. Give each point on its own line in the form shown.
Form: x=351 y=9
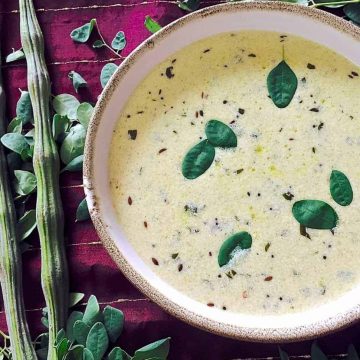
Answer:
x=283 y=155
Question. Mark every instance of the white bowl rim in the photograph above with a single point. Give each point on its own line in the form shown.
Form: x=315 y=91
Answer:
x=296 y=333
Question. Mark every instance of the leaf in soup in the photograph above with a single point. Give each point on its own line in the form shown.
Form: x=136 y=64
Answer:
x=97 y=340
x=240 y=241
x=119 y=41
x=340 y=188
x=315 y=214
x=15 y=126
x=82 y=212
x=66 y=105
x=198 y=159
x=15 y=55
x=84 y=113
x=282 y=84
x=106 y=72
x=151 y=24
x=73 y=144
x=26 y=225
x=352 y=11
x=158 y=349
x=82 y=33
x=77 y=80
x=25 y=182
x=220 y=135
x=114 y=322
x=24 y=109
x=15 y=142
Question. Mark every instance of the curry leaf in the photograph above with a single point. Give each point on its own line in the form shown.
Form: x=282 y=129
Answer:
x=84 y=113
x=219 y=134
x=73 y=144
x=74 y=316
x=15 y=142
x=189 y=5
x=198 y=160
x=82 y=212
x=26 y=225
x=24 y=109
x=241 y=241
x=315 y=214
x=114 y=322
x=15 y=55
x=158 y=349
x=80 y=332
x=66 y=105
x=352 y=11
x=340 y=188
x=15 y=126
x=282 y=84
x=25 y=182
x=106 y=72
x=119 y=41
x=151 y=24
x=92 y=312
x=60 y=127
x=97 y=341
x=82 y=33
x=74 y=165
x=77 y=80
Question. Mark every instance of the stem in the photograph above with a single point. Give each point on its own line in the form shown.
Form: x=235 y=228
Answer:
x=10 y=260
x=49 y=211
x=314 y=5
x=105 y=43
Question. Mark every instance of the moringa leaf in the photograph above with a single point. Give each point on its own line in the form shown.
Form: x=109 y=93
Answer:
x=84 y=113
x=74 y=165
x=97 y=340
x=219 y=134
x=316 y=352
x=198 y=159
x=74 y=316
x=241 y=240
x=118 y=354
x=73 y=144
x=66 y=105
x=15 y=55
x=24 y=182
x=24 y=109
x=80 y=332
x=26 y=225
x=151 y=24
x=315 y=214
x=75 y=353
x=352 y=11
x=106 y=72
x=82 y=33
x=119 y=41
x=62 y=348
x=282 y=84
x=340 y=188
x=98 y=44
x=114 y=322
x=75 y=298
x=77 y=80
x=92 y=312
x=15 y=126
x=158 y=349
x=60 y=126
x=87 y=355
x=82 y=212
x=189 y=5
x=15 y=142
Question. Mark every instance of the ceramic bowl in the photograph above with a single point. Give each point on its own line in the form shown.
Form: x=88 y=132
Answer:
x=312 y=24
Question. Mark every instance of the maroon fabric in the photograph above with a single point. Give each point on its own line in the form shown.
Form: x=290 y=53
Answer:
x=92 y=270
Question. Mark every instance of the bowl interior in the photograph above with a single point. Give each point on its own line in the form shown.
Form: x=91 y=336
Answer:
x=310 y=24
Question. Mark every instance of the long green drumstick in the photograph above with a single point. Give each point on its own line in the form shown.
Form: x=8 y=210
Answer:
x=10 y=259
x=49 y=212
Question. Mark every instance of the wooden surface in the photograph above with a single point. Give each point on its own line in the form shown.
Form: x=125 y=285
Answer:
x=92 y=270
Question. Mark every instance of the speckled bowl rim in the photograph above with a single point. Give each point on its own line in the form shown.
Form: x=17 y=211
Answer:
x=297 y=333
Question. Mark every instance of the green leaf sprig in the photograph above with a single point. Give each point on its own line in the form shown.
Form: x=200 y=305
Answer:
x=200 y=157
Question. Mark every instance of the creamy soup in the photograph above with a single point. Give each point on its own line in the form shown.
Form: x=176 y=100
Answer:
x=286 y=186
